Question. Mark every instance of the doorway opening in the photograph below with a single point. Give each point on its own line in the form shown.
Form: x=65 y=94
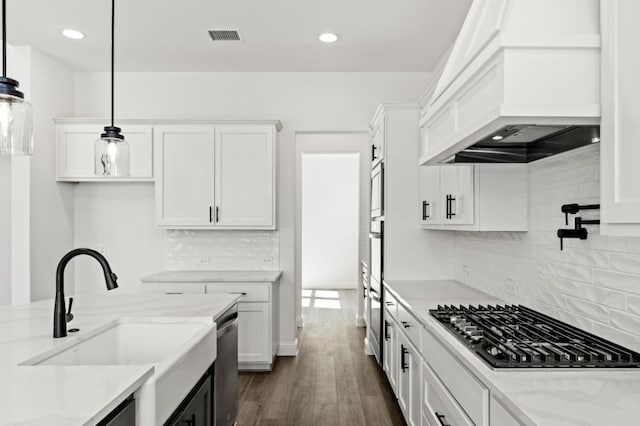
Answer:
x=332 y=191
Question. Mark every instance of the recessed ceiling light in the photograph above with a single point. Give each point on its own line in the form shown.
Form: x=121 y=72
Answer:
x=327 y=37
x=72 y=34
x=497 y=138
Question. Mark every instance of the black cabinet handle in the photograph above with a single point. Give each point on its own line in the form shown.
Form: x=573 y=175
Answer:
x=388 y=303
x=386 y=330
x=210 y=214
x=425 y=216
x=403 y=364
x=373 y=152
x=450 y=200
x=405 y=324
x=191 y=421
x=242 y=293
x=441 y=419
x=217 y=214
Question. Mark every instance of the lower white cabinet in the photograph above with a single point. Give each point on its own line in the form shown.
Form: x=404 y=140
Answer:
x=500 y=416
x=390 y=351
x=258 y=316
x=481 y=197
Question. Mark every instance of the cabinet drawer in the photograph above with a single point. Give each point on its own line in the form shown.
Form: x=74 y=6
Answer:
x=410 y=326
x=173 y=288
x=472 y=396
x=438 y=405
x=251 y=292
x=391 y=304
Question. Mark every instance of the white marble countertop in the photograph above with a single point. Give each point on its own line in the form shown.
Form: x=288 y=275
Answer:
x=213 y=276
x=79 y=395
x=559 y=397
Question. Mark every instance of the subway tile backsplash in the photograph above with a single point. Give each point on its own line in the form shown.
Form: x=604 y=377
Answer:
x=592 y=284
x=223 y=250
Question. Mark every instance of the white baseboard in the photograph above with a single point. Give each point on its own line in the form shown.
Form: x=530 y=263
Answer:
x=300 y=321
x=360 y=321
x=367 y=347
x=288 y=348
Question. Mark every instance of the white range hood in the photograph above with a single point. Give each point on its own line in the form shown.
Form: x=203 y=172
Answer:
x=522 y=82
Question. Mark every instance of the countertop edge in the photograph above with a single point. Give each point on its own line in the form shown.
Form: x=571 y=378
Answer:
x=167 y=277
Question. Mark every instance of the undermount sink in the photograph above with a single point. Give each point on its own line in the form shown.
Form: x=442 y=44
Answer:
x=125 y=343
x=179 y=349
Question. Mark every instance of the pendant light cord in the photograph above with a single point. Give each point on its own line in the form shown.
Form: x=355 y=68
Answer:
x=4 y=38
x=113 y=20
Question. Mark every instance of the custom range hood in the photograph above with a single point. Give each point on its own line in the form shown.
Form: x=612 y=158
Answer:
x=522 y=83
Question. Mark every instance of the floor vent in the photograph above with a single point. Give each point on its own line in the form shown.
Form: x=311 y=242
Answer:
x=225 y=35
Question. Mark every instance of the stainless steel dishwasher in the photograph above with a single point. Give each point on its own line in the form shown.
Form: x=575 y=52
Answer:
x=225 y=377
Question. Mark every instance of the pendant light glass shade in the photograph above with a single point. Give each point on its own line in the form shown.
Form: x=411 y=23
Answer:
x=16 y=115
x=16 y=126
x=111 y=151
x=111 y=154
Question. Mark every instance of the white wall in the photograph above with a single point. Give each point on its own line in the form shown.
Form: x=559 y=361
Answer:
x=330 y=222
x=52 y=213
x=303 y=101
x=592 y=284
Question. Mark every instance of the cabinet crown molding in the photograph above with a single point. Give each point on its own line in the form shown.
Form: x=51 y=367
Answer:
x=163 y=121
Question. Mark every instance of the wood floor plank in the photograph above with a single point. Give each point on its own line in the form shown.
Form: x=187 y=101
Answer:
x=330 y=382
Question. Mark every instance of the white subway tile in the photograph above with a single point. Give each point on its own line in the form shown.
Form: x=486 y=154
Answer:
x=618 y=281
x=625 y=262
x=618 y=336
x=588 y=309
x=624 y=321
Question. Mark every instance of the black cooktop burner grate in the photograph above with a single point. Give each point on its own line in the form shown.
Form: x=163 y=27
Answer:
x=514 y=336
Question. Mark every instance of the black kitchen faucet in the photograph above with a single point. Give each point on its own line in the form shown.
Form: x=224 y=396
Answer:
x=60 y=317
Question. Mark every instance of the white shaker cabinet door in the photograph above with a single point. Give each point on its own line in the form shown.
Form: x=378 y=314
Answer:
x=620 y=128
x=185 y=185
x=431 y=204
x=245 y=177
x=457 y=194
x=254 y=333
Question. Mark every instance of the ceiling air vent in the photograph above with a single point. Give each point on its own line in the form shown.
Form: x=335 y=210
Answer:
x=225 y=35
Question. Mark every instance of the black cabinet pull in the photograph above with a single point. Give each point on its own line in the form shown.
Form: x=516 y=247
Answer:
x=217 y=214
x=373 y=152
x=242 y=293
x=450 y=200
x=403 y=352
x=388 y=303
x=425 y=216
x=405 y=324
x=210 y=214
x=191 y=421
x=386 y=330
x=441 y=419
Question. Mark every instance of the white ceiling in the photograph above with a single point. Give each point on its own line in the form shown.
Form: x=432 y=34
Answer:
x=280 y=35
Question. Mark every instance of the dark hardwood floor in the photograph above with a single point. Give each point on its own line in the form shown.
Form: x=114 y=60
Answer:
x=330 y=382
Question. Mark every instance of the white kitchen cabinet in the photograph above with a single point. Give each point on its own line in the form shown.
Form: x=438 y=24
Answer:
x=481 y=197
x=378 y=140
x=244 y=177
x=431 y=203
x=620 y=127
x=390 y=351
x=258 y=315
x=377 y=191
x=75 y=151
x=409 y=380
x=219 y=176
x=185 y=182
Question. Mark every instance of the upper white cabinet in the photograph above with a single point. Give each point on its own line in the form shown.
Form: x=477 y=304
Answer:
x=244 y=176
x=75 y=151
x=185 y=182
x=620 y=128
x=216 y=176
x=515 y=62
x=481 y=197
x=378 y=139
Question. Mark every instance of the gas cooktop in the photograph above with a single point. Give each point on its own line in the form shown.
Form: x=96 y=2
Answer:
x=514 y=336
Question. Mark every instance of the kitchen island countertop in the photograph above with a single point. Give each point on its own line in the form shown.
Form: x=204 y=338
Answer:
x=535 y=397
x=212 y=276
x=79 y=395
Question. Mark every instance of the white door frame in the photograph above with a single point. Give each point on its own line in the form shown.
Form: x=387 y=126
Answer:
x=320 y=143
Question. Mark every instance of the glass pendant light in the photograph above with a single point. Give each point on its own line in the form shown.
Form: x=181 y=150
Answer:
x=16 y=115
x=112 y=150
